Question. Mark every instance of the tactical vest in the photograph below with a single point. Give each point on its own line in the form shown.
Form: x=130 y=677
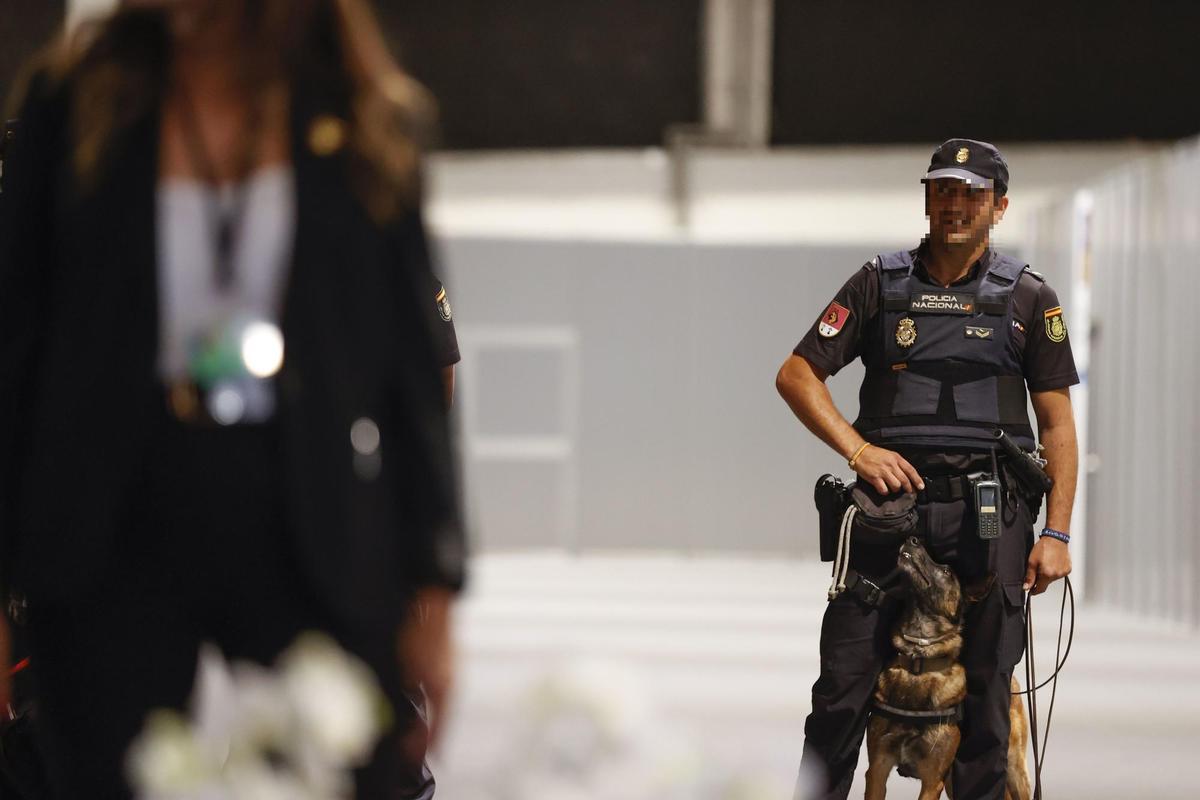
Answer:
x=943 y=368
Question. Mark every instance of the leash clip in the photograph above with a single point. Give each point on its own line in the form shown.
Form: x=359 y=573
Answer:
x=873 y=592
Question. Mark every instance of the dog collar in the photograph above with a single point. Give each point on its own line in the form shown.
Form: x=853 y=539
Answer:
x=923 y=642
x=918 y=665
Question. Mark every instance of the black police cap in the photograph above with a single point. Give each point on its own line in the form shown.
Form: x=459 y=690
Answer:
x=967 y=160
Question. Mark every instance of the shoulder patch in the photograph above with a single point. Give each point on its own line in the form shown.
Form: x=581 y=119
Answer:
x=1056 y=328
x=833 y=320
x=443 y=305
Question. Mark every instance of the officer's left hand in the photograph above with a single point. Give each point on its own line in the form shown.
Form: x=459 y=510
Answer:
x=1049 y=561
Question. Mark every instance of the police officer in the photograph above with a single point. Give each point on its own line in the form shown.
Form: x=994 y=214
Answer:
x=955 y=338
x=446 y=340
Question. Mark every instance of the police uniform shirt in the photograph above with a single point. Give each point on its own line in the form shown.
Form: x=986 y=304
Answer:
x=1047 y=363
x=446 y=339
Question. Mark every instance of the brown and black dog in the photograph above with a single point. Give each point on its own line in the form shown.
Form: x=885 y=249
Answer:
x=927 y=678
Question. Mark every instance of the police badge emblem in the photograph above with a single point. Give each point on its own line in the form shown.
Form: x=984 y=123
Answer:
x=962 y=155
x=906 y=332
x=1056 y=328
x=443 y=305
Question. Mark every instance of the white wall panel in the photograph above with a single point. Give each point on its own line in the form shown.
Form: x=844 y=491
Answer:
x=680 y=440
x=1140 y=249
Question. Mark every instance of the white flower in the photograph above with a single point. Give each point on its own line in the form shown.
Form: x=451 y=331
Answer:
x=263 y=716
x=166 y=758
x=608 y=695
x=592 y=732
x=337 y=703
x=291 y=733
x=257 y=780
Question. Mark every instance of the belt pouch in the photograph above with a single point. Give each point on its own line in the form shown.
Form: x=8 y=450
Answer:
x=882 y=520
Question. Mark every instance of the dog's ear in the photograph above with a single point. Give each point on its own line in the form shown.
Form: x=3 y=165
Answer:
x=979 y=588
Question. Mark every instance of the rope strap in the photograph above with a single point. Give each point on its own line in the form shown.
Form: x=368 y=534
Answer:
x=841 y=561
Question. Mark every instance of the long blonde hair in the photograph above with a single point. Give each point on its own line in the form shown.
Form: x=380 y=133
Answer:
x=116 y=69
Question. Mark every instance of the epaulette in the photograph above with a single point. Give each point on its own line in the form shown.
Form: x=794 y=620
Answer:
x=1035 y=273
x=889 y=262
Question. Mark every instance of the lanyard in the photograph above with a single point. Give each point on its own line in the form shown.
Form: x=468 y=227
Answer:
x=224 y=223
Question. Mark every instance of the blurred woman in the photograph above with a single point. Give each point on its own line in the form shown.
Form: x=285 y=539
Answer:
x=221 y=407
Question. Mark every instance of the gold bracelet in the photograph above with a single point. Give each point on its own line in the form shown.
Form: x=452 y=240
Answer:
x=858 y=453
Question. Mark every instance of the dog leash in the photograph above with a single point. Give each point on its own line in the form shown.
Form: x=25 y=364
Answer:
x=1060 y=658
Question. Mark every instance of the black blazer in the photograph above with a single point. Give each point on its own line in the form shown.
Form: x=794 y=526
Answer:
x=78 y=338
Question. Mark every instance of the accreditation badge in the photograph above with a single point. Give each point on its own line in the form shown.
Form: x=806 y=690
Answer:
x=231 y=363
x=1056 y=328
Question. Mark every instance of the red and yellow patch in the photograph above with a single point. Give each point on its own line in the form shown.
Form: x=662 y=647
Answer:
x=833 y=320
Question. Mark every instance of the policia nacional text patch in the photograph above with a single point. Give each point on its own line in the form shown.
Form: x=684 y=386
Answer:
x=942 y=302
x=1056 y=328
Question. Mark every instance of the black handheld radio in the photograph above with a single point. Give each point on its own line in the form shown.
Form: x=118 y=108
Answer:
x=987 y=507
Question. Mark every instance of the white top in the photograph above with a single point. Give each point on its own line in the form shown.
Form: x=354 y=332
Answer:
x=190 y=303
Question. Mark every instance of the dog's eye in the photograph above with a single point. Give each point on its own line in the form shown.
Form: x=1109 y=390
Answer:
x=945 y=570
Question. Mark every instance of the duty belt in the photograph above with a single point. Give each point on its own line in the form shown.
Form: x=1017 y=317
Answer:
x=945 y=489
x=869 y=591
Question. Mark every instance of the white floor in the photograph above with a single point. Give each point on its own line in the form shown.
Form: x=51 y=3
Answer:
x=717 y=656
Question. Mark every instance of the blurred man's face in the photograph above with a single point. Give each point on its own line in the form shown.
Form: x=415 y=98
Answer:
x=959 y=213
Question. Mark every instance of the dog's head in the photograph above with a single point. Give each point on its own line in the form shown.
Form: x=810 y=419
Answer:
x=932 y=587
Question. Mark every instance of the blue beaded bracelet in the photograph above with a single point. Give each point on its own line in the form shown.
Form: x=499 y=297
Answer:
x=1065 y=538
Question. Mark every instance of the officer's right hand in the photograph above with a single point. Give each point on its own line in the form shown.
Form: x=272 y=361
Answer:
x=887 y=471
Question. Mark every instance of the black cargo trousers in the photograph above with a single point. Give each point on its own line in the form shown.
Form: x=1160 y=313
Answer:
x=856 y=646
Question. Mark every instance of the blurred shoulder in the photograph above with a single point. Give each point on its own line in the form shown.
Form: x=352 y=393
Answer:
x=42 y=88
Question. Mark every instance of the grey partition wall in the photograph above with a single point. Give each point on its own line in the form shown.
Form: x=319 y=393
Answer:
x=1136 y=237
x=621 y=394
x=1146 y=375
